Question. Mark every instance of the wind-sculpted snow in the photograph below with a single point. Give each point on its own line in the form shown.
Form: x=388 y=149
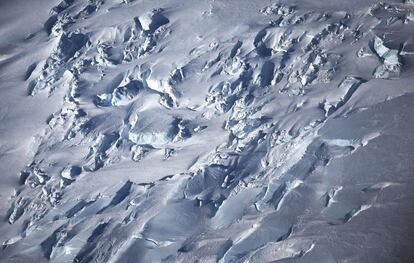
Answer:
x=213 y=131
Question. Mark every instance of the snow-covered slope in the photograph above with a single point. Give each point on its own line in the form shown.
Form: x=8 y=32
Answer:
x=206 y=131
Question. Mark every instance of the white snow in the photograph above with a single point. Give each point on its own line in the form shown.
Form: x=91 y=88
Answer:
x=206 y=131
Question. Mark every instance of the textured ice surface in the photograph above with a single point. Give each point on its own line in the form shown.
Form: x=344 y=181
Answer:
x=206 y=131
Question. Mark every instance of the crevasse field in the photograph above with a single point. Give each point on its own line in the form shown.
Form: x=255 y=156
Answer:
x=207 y=131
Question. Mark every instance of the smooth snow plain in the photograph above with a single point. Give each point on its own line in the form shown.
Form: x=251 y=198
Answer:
x=206 y=131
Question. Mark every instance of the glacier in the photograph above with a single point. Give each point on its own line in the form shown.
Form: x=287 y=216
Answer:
x=206 y=131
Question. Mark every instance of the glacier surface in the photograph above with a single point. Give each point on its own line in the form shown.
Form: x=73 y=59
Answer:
x=206 y=131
